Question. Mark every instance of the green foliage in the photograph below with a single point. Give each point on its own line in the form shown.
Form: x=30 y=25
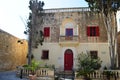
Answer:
x=49 y=66
x=41 y=40
x=108 y=9
x=108 y=74
x=34 y=65
x=104 y=5
x=32 y=22
x=32 y=56
x=87 y=65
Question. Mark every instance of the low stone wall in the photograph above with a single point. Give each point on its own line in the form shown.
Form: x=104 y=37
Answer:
x=49 y=74
x=102 y=75
x=13 y=51
x=41 y=73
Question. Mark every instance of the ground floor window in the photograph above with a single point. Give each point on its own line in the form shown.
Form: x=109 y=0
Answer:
x=45 y=54
x=94 y=54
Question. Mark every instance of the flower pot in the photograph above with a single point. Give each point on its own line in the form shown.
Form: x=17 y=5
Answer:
x=32 y=77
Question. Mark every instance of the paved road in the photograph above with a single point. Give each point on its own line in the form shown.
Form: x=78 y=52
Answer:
x=9 y=75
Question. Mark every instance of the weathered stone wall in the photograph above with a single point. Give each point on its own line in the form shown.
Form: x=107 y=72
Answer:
x=82 y=19
x=54 y=18
x=13 y=51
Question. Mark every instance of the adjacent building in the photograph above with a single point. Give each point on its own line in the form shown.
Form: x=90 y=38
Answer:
x=13 y=51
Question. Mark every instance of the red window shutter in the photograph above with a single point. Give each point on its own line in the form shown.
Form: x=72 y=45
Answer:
x=88 y=31
x=46 y=31
x=97 y=31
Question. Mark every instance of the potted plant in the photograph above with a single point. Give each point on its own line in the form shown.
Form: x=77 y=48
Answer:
x=32 y=69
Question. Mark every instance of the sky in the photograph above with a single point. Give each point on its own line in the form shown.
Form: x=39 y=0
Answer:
x=14 y=13
x=118 y=20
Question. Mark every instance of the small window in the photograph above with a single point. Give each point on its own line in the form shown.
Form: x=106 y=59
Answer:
x=45 y=54
x=92 y=31
x=94 y=54
x=46 y=31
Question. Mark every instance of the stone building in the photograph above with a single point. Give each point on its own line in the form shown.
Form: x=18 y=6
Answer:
x=13 y=51
x=69 y=32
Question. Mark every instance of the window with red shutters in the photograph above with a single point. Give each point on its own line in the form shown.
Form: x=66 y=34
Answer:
x=92 y=31
x=46 y=31
x=97 y=31
x=88 y=31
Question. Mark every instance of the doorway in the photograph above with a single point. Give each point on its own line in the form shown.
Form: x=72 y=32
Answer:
x=68 y=59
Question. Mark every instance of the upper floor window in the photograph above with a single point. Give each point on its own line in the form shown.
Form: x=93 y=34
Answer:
x=69 y=31
x=46 y=31
x=92 y=31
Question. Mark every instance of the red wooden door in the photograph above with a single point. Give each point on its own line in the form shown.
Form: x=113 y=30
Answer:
x=68 y=60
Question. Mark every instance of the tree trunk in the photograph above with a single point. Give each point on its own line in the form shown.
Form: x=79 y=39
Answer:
x=110 y=25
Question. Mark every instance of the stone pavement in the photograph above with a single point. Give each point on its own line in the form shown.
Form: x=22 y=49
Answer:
x=9 y=75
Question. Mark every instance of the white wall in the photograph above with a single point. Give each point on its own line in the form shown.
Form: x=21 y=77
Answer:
x=56 y=53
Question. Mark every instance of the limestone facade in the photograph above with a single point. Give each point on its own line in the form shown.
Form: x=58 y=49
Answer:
x=13 y=51
x=57 y=44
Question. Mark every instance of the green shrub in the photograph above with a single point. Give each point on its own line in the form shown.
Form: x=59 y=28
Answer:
x=86 y=64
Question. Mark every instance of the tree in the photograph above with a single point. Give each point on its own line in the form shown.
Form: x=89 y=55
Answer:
x=33 y=24
x=108 y=9
x=87 y=65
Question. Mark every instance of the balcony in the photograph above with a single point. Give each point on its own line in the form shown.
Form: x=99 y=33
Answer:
x=69 y=40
